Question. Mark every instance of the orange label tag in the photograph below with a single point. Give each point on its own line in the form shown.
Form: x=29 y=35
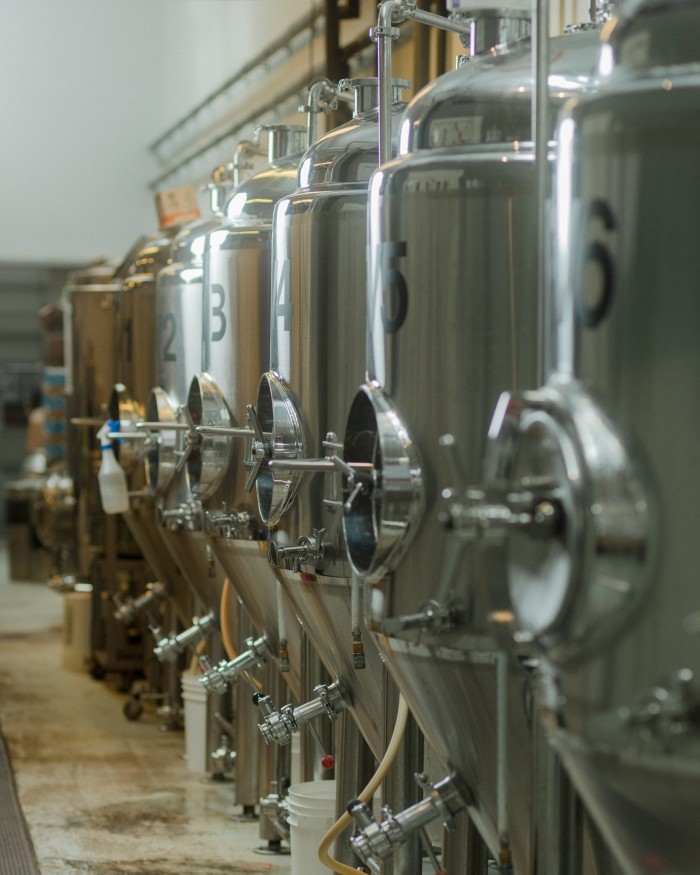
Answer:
x=177 y=206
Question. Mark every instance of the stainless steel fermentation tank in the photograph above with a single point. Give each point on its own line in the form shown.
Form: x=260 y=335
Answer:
x=317 y=360
x=453 y=320
x=90 y=304
x=235 y=346
x=136 y=366
x=178 y=355
x=609 y=448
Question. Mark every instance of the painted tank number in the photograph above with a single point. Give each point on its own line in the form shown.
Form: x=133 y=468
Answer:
x=169 y=329
x=394 y=287
x=283 y=296
x=593 y=300
x=217 y=312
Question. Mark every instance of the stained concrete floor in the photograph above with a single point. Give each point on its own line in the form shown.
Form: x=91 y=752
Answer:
x=102 y=795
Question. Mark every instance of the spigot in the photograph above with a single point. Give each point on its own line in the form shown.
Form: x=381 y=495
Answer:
x=168 y=649
x=217 y=678
x=376 y=841
x=434 y=618
x=223 y=759
x=306 y=549
x=280 y=726
x=228 y=525
x=274 y=809
x=128 y=610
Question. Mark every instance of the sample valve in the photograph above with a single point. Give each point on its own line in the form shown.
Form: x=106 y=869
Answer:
x=167 y=649
x=280 y=726
x=308 y=548
x=376 y=841
x=127 y=611
x=218 y=677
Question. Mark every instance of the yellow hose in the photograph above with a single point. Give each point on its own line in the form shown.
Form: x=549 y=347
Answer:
x=366 y=794
x=226 y=632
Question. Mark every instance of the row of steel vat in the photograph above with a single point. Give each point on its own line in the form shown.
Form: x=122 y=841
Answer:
x=372 y=419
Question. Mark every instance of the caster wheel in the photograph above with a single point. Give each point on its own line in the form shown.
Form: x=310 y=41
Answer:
x=133 y=709
x=97 y=672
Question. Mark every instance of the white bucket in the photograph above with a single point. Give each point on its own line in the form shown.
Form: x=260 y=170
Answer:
x=311 y=814
x=194 y=698
x=77 y=617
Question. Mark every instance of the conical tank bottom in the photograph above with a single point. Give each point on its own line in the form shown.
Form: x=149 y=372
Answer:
x=253 y=579
x=141 y=522
x=323 y=605
x=453 y=695
x=204 y=575
x=644 y=810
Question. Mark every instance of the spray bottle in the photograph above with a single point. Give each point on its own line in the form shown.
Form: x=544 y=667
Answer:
x=111 y=478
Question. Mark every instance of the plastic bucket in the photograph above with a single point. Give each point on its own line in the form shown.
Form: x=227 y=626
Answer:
x=194 y=698
x=77 y=622
x=311 y=809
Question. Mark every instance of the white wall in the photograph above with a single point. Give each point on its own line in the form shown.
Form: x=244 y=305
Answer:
x=85 y=86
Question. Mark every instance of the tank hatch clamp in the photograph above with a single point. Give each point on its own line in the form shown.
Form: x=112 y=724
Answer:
x=218 y=677
x=126 y=611
x=280 y=726
x=359 y=474
x=376 y=841
x=532 y=510
x=168 y=648
x=261 y=448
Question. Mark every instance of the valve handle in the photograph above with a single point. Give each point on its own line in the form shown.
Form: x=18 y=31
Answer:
x=255 y=422
x=184 y=456
x=254 y=474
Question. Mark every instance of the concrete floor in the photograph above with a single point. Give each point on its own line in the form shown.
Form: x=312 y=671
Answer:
x=102 y=795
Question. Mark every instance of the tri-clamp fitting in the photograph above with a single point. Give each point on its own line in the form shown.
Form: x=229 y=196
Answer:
x=127 y=611
x=308 y=548
x=218 y=677
x=168 y=649
x=280 y=726
x=228 y=525
x=376 y=841
x=188 y=515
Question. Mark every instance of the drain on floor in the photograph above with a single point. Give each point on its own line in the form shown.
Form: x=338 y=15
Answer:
x=17 y=849
x=153 y=867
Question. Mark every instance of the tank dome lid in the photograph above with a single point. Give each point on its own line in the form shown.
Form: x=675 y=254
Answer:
x=155 y=252
x=488 y=99
x=349 y=154
x=254 y=201
x=652 y=34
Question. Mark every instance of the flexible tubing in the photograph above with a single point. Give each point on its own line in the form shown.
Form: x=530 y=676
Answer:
x=223 y=619
x=226 y=631
x=366 y=794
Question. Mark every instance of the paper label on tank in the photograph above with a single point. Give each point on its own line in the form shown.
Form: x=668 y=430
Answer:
x=635 y=50
x=439 y=180
x=176 y=206
x=463 y=131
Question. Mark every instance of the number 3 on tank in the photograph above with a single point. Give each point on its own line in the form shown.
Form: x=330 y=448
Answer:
x=217 y=312
x=595 y=293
